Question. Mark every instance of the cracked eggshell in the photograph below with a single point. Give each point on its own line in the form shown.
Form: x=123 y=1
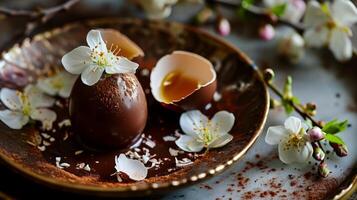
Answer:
x=193 y=65
x=114 y=39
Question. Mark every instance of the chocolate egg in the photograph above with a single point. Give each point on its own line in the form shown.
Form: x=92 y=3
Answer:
x=183 y=80
x=110 y=114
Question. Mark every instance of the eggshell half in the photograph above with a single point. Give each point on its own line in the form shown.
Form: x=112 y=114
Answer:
x=114 y=38
x=189 y=64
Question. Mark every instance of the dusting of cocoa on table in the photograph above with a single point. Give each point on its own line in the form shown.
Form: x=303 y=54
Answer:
x=294 y=187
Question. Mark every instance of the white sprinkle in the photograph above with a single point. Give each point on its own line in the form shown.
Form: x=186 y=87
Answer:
x=183 y=162
x=87 y=168
x=78 y=152
x=52 y=139
x=97 y=161
x=168 y=138
x=46 y=143
x=59 y=104
x=65 y=137
x=150 y=143
x=58 y=159
x=53 y=130
x=41 y=148
x=65 y=165
x=119 y=178
x=217 y=96
x=80 y=166
x=65 y=123
x=30 y=143
x=173 y=152
x=137 y=149
x=177 y=133
x=208 y=106
x=45 y=135
x=145 y=72
x=145 y=159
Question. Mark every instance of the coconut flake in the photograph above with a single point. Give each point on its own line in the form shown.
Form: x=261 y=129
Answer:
x=80 y=165
x=78 y=152
x=217 y=96
x=65 y=123
x=145 y=72
x=169 y=138
x=45 y=135
x=41 y=148
x=208 y=106
x=87 y=168
x=52 y=139
x=135 y=169
x=149 y=143
x=65 y=165
x=173 y=152
x=183 y=162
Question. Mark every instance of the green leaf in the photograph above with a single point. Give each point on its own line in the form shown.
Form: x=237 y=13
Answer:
x=334 y=139
x=335 y=126
x=242 y=10
x=287 y=106
x=247 y=3
x=279 y=10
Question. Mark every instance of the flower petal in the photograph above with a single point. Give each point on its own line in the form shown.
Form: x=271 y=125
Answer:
x=91 y=75
x=123 y=65
x=344 y=11
x=46 y=116
x=192 y=122
x=221 y=141
x=189 y=143
x=222 y=122
x=293 y=124
x=316 y=37
x=275 y=134
x=314 y=15
x=95 y=41
x=340 y=45
x=135 y=169
x=37 y=98
x=13 y=119
x=294 y=155
x=10 y=99
x=46 y=86
x=77 y=60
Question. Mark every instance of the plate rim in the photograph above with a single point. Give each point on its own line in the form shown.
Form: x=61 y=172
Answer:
x=129 y=191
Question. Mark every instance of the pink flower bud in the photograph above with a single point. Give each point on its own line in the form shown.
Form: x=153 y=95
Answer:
x=340 y=149
x=267 y=32
x=318 y=154
x=223 y=26
x=316 y=134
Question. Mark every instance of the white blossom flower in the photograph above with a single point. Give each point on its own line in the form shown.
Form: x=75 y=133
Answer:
x=92 y=61
x=135 y=169
x=26 y=105
x=329 y=24
x=292 y=46
x=202 y=132
x=294 y=9
x=292 y=140
x=60 y=84
x=157 y=9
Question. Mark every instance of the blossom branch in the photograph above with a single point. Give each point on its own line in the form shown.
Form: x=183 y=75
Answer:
x=318 y=131
x=35 y=19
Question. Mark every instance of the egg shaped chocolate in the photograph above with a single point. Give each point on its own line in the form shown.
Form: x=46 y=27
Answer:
x=110 y=114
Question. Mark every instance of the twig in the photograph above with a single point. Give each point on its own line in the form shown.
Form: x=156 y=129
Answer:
x=35 y=19
x=38 y=12
x=257 y=11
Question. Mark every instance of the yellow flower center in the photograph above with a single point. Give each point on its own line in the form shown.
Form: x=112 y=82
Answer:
x=26 y=107
x=295 y=140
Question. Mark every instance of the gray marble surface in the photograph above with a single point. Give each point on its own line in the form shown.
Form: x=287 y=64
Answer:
x=318 y=78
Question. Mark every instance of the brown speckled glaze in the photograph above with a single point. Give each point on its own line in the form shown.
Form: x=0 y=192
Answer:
x=243 y=93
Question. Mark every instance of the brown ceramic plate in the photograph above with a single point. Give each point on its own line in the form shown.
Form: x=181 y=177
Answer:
x=243 y=93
